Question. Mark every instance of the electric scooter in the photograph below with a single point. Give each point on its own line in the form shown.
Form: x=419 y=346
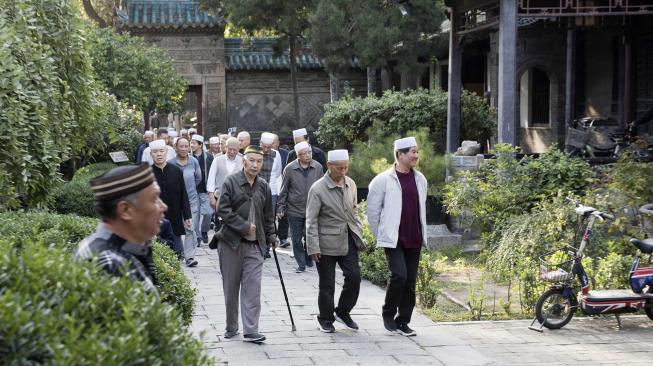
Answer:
x=557 y=305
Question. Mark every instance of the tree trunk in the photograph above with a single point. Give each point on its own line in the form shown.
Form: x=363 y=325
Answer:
x=334 y=87
x=90 y=11
x=293 y=78
x=371 y=81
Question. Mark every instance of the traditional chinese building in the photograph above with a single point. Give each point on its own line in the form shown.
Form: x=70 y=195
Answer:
x=543 y=63
x=231 y=83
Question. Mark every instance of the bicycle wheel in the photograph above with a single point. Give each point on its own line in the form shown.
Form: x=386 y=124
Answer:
x=553 y=310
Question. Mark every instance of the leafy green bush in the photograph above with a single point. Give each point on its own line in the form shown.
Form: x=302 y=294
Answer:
x=54 y=310
x=66 y=231
x=47 y=93
x=505 y=187
x=174 y=286
x=376 y=155
x=348 y=119
x=76 y=197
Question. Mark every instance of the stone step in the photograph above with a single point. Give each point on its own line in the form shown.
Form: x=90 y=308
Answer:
x=439 y=236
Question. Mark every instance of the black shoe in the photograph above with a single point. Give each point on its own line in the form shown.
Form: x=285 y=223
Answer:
x=389 y=324
x=326 y=326
x=299 y=270
x=267 y=255
x=404 y=329
x=190 y=262
x=346 y=320
x=285 y=244
x=254 y=337
x=231 y=333
x=205 y=237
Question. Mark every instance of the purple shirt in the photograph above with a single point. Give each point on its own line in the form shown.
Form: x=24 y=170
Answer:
x=410 y=229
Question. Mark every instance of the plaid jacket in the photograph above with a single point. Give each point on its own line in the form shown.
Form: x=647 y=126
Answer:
x=118 y=257
x=266 y=169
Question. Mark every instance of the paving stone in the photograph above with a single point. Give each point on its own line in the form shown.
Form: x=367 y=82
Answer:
x=590 y=341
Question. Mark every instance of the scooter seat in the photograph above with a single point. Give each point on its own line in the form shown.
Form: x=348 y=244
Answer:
x=646 y=245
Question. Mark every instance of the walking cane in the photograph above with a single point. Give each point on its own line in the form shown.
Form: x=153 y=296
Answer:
x=283 y=286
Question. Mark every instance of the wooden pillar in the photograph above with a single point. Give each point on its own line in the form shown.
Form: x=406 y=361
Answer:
x=455 y=84
x=570 y=77
x=507 y=71
x=627 y=80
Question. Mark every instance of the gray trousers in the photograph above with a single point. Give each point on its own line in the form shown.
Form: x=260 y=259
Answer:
x=241 y=270
x=190 y=239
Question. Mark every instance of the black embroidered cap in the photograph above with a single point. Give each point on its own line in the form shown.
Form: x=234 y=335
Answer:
x=121 y=181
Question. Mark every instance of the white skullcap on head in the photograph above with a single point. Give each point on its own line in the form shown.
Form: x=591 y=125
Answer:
x=338 y=155
x=198 y=138
x=183 y=131
x=299 y=133
x=405 y=143
x=172 y=133
x=149 y=133
x=301 y=146
x=214 y=140
x=192 y=130
x=267 y=138
x=157 y=144
x=232 y=142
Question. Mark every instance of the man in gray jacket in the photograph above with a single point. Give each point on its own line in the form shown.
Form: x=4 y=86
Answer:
x=298 y=177
x=334 y=236
x=245 y=208
x=396 y=212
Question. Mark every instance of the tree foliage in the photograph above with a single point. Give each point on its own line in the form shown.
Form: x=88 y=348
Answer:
x=47 y=95
x=348 y=119
x=136 y=73
x=375 y=32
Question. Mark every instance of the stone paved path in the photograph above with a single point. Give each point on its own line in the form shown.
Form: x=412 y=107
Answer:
x=582 y=342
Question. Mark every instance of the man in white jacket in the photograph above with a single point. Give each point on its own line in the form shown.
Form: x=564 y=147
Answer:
x=396 y=211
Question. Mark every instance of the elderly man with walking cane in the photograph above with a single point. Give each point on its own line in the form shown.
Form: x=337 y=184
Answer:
x=245 y=207
x=334 y=236
x=396 y=211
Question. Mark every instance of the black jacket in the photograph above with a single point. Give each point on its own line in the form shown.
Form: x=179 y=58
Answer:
x=233 y=209
x=318 y=155
x=174 y=195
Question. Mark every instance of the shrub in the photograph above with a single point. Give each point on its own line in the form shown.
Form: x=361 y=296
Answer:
x=348 y=119
x=54 y=310
x=76 y=197
x=506 y=187
x=174 y=286
x=66 y=231
x=374 y=156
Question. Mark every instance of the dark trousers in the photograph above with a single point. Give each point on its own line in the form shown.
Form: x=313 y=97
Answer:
x=326 y=269
x=297 y=232
x=178 y=245
x=400 y=293
x=284 y=226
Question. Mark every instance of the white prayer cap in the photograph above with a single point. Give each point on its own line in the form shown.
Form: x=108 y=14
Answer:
x=183 y=131
x=192 y=130
x=233 y=142
x=301 y=146
x=157 y=144
x=338 y=155
x=149 y=133
x=172 y=133
x=267 y=138
x=198 y=138
x=214 y=140
x=405 y=143
x=299 y=133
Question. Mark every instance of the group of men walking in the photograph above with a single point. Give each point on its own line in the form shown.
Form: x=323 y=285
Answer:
x=245 y=190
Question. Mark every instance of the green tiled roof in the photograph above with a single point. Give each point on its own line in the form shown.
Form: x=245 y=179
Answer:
x=260 y=55
x=169 y=14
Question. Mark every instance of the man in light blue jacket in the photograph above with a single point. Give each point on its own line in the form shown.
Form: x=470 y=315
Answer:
x=396 y=212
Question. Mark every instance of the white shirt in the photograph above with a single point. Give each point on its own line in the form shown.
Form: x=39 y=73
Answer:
x=276 y=174
x=231 y=165
x=147 y=157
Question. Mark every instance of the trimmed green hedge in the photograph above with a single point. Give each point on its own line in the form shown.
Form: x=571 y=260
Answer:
x=66 y=231
x=56 y=311
x=76 y=196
